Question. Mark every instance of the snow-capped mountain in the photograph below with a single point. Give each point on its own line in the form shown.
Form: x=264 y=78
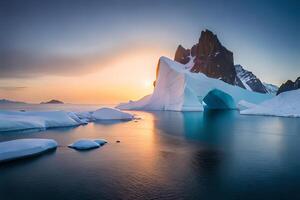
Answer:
x=210 y=57
x=272 y=89
x=246 y=79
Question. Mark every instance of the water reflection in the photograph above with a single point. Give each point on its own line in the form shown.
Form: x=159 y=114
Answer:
x=206 y=127
x=165 y=155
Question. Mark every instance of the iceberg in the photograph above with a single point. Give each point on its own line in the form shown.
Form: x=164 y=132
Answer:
x=84 y=144
x=101 y=142
x=17 y=120
x=178 y=89
x=242 y=105
x=14 y=120
x=106 y=113
x=16 y=149
x=286 y=104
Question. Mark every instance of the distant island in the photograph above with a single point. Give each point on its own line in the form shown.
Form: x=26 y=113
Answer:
x=53 y=101
x=7 y=101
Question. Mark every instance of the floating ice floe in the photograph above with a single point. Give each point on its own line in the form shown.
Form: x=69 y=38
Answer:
x=21 y=148
x=286 y=104
x=178 y=89
x=101 y=142
x=15 y=120
x=85 y=144
x=86 y=116
x=106 y=113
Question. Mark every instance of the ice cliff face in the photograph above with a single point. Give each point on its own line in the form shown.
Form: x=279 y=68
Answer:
x=211 y=58
x=178 y=89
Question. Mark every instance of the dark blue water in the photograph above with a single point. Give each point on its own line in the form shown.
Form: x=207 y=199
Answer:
x=165 y=155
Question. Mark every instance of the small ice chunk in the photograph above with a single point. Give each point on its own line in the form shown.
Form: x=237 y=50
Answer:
x=106 y=113
x=84 y=144
x=21 y=148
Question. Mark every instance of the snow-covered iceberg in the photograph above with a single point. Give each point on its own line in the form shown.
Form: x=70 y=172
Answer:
x=21 y=148
x=17 y=120
x=106 y=113
x=86 y=144
x=14 y=120
x=178 y=89
x=242 y=105
x=286 y=104
x=101 y=142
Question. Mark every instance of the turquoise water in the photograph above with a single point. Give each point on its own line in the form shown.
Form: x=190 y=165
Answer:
x=165 y=155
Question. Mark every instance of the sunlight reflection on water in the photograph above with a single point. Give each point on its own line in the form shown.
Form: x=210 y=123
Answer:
x=165 y=155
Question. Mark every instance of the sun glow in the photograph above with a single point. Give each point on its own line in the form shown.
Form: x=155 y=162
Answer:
x=148 y=84
x=126 y=76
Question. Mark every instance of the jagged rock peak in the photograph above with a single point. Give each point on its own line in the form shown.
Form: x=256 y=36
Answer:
x=208 y=43
x=289 y=85
x=209 y=57
x=182 y=55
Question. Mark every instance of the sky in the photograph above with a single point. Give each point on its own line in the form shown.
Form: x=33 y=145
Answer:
x=106 y=51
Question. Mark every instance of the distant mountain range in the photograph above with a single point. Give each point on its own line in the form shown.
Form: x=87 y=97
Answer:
x=289 y=85
x=53 y=101
x=210 y=57
x=7 y=101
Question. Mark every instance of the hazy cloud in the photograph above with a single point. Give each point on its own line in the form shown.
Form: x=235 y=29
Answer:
x=18 y=64
x=12 y=88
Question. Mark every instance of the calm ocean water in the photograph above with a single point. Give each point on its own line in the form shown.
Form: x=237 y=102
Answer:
x=165 y=155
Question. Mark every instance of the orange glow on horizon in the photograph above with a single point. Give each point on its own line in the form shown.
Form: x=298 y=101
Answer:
x=127 y=76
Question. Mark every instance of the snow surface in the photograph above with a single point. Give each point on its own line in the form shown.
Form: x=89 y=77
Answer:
x=84 y=144
x=244 y=76
x=14 y=120
x=178 y=89
x=242 y=105
x=101 y=142
x=272 y=89
x=21 y=148
x=106 y=113
x=286 y=104
x=17 y=120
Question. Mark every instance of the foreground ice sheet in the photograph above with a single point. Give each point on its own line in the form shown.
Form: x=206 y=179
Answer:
x=14 y=120
x=286 y=104
x=178 y=89
x=21 y=148
x=85 y=144
x=111 y=114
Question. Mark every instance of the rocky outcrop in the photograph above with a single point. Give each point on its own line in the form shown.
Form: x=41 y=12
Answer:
x=272 y=89
x=53 y=101
x=182 y=55
x=209 y=57
x=248 y=80
x=289 y=85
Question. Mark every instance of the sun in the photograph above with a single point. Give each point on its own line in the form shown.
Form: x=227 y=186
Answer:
x=148 y=83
